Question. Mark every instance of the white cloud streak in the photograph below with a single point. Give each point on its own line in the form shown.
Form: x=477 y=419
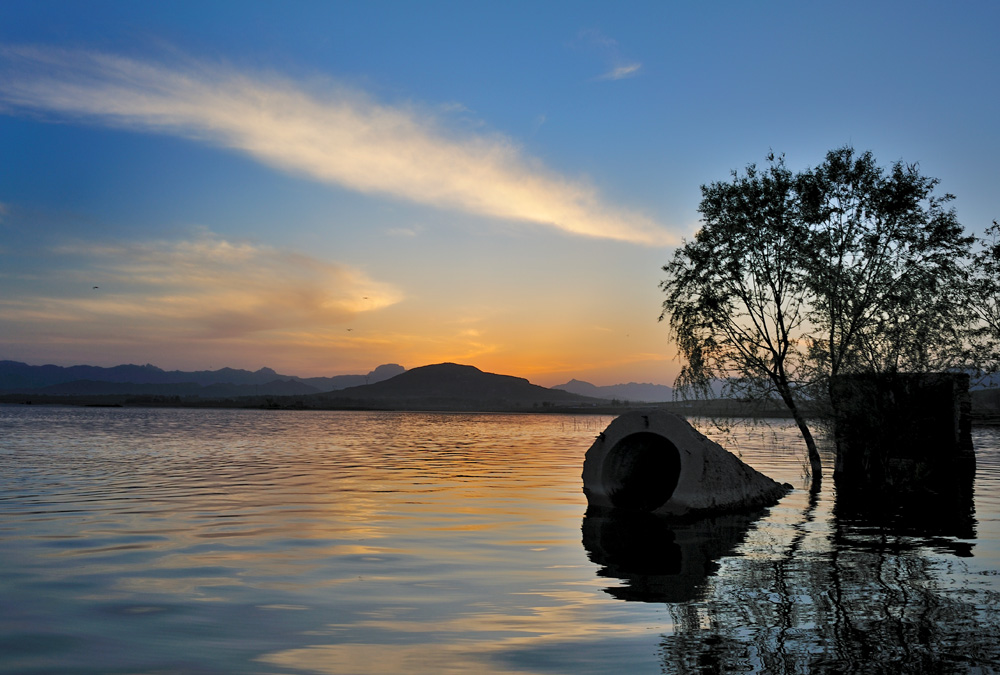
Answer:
x=620 y=68
x=622 y=72
x=339 y=136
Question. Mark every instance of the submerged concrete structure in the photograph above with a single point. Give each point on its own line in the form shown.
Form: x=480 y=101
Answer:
x=652 y=461
x=903 y=431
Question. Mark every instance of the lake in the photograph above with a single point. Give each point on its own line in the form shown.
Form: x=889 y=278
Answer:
x=216 y=541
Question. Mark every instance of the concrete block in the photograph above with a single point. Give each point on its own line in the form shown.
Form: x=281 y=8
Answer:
x=902 y=431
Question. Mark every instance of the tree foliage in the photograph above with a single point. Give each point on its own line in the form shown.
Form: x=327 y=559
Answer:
x=795 y=278
x=885 y=262
x=984 y=277
x=737 y=297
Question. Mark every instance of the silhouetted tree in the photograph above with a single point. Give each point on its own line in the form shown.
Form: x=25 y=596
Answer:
x=885 y=267
x=984 y=276
x=737 y=299
x=794 y=279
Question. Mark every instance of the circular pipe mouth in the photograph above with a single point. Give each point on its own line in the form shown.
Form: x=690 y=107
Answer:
x=640 y=472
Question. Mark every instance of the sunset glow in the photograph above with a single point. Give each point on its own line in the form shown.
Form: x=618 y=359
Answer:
x=338 y=187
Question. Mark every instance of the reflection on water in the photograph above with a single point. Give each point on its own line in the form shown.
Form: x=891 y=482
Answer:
x=657 y=559
x=871 y=587
x=289 y=542
x=292 y=542
x=873 y=600
x=943 y=520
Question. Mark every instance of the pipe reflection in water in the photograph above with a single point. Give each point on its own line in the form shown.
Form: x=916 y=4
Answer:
x=845 y=586
x=660 y=560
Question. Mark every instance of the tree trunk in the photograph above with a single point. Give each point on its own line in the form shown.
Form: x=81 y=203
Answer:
x=815 y=465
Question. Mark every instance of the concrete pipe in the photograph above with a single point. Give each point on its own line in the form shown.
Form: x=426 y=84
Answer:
x=652 y=461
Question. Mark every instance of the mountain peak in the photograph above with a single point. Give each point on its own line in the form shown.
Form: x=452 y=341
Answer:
x=387 y=370
x=454 y=386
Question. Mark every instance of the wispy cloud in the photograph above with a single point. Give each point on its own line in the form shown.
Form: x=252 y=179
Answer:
x=205 y=288
x=621 y=72
x=619 y=68
x=336 y=135
x=409 y=232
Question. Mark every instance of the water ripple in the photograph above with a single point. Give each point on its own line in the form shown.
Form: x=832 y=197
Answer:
x=245 y=541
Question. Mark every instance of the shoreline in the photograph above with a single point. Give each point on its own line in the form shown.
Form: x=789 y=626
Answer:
x=724 y=409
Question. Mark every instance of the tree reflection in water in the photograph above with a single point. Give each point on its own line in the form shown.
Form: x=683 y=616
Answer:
x=862 y=587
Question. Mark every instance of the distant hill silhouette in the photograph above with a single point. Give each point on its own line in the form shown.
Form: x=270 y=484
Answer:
x=450 y=386
x=444 y=386
x=633 y=391
x=16 y=377
x=184 y=389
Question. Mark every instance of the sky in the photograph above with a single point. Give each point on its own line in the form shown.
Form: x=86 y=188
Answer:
x=323 y=187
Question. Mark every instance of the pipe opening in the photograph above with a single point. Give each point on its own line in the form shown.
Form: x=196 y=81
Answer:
x=640 y=472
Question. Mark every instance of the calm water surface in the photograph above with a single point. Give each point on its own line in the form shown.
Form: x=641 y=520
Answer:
x=163 y=541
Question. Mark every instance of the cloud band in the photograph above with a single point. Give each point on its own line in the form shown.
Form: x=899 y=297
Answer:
x=339 y=136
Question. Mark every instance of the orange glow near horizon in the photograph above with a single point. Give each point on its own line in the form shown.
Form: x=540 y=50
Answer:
x=206 y=303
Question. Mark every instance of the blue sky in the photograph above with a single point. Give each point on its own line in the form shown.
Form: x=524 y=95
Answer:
x=324 y=187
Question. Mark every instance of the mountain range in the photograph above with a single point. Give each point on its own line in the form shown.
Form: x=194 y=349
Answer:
x=149 y=380
x=443 y=386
